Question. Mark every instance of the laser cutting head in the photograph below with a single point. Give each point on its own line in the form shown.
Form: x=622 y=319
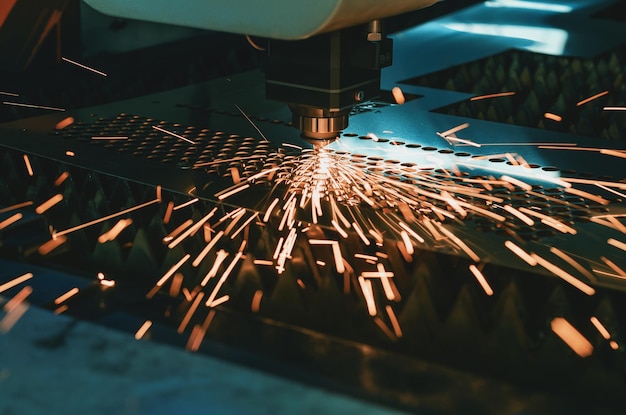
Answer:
x=323 y=56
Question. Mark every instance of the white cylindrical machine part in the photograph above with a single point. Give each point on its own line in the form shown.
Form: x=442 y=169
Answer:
x=279 y=19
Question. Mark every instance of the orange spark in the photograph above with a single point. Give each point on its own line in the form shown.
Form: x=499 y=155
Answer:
x=256 y=301
x=220 y=257
x=564 y=275
x=29 y=167
x=394 y=321
x=621 y=273
x=587 y=195
x=231 y=191
x=177 y=283
x=614 y=108
x=338 y=228
x=10 y=220
x=177 y=231
x=366 y=257
x=614 y=153
x=268 y=212
x=220 y=301
x=617 y=244
x=62 y=298
x=460 y=244
x=481 y=279
x=188 y=203
x=591 y=98
x=198 y=333
x=456 y=140
x=193 y=229
x=234 y=173
x=18 y=299
x=521 y=253
x=516 y=182
x=263 y=262
x=391 y=292
x=556 y=251
x=143 y=330
x=16 y=206
x=60 y=310
x=187 y=294
x=454 y=130
x=614 y=345
x=190 y=312
x=168 y=213
x=496 y=95
x=207 y=249
x=70 y=153
x=572 y=337
x=368 y=294
x=595 y=182
x=62 y=178
x=603 y=331
x=223 y=278
x=7 y=323
x=206 y=231
x=114 y=232
x=398 y=95
x=339 y=265
x=549 y=221
x=553 y=117
x=51 y=245
x=64 y=123
x=15 y=281
x=242 y=227
x=172 y=270
x=48 y=203
x=528 y=221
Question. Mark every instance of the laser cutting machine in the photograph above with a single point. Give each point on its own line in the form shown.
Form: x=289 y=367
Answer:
x=470 y=256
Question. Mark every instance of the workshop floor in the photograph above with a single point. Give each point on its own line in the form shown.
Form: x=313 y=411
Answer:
x=57 y=365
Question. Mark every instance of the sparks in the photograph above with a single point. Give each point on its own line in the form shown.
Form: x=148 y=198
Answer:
x=600 y=327
x=84 y=66
x=481 y=279
x=105 y=218
x=591 y=98
x=49 y=203
x=113 y=233
x=489 y=96
x=398 y=95
x=64 y=297
x=15 y=281
x=172 y=134
x=143 y=330
x=10 y=220
x=29 y=167
x=572 y=337
x=41 y=107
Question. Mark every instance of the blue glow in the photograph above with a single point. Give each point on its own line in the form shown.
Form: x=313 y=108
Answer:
x=546 y=40
x=531 y=5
